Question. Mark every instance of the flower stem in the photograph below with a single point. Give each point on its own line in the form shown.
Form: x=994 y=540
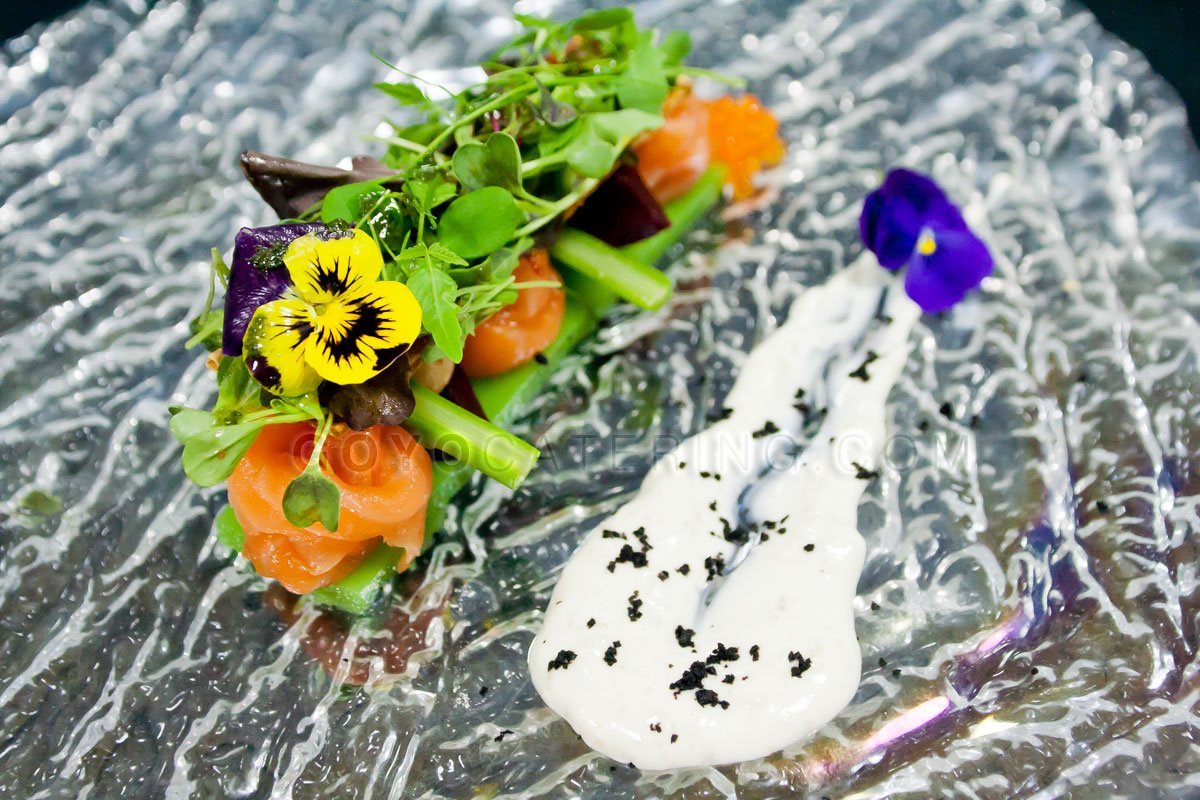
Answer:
x=442 y=425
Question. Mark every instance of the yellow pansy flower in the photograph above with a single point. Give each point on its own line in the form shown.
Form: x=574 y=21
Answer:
x=337 y=323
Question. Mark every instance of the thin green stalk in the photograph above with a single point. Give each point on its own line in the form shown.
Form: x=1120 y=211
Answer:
x=627 y=277
x=442 y=425
x=498 y=102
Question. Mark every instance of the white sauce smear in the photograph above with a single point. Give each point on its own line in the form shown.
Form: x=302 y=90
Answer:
x=655 y=663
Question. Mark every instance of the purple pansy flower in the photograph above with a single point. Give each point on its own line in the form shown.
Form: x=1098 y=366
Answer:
x=250 y=287
x=910 y=221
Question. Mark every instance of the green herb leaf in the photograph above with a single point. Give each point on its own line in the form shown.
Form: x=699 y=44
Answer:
x=602 y=137
x=210 y=456
x=496 y=162
x=41 y=502
x=187 y=423
x=436 y=292
x=307 y=404
x=229 y=531
x=206 y=329
x=312 y=497
x=676 y=46
x=237 y=392
x=602 y=19
x=440 y=252
x=479 y=222
x=554 y=112
x=644 y=85
x=343 y=202
x=405 y=93
x=429 y=192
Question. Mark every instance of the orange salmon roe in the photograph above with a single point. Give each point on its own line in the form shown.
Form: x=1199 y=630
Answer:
x=744 y=135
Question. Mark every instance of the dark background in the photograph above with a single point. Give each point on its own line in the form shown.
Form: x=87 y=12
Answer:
x=1167 y=31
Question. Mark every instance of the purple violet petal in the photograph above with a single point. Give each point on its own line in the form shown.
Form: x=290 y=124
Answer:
x=621 y=210
x=925 y=196
x=250 y=287
x=958 y=265
x=895 y=229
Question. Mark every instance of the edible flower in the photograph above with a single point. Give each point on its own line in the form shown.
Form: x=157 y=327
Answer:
x=337 y=321
x=909 y=221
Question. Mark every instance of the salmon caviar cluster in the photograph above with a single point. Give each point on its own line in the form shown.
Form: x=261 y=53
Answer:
x=744 y=136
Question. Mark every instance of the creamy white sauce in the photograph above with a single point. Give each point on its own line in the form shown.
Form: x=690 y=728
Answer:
x=791 y=597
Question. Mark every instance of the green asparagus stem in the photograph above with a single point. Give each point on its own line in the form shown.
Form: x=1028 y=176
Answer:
x=628 y=278
x=442 y=425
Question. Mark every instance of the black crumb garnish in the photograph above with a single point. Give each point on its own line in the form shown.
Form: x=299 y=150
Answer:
x=875 y=606
x=800 y=664
x=674 y=738
x=1033 y=671
x=1083 y=377
x=808 y=548
x=500 y=736
x=610 y=655
x=885 y=319
x=612 y=535
x=643 y=539
x=767 y=429
x=719 y=414
x=946 y=410
x=754 y=652
x=541 y=359
x=591 y=623
x=635 y=607
x=712 y=506
x=862 y=473
x=923 y=426
x=721 y=653
x=882 y=663
x=736 y=535
x=692 y=678
x=728 y=678
x=714 y=565
x=684 y=569
x=896 y=673
x=705 y=473
x=861 y=372
x=636 y=558
x=483 y=690
x=707 y=697
x=662 y=576
x=1102 y=507
x=656 y=727
x=684 y=636
x=562 y=660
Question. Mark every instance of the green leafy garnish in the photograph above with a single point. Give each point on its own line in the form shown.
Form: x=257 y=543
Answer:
x=479 y=222
x=311 y=496
x=436 y=291
x=496 y=162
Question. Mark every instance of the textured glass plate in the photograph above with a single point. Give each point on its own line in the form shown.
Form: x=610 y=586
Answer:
x=1028 y=609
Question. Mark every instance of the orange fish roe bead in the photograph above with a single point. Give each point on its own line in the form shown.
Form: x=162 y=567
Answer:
x=744 y=136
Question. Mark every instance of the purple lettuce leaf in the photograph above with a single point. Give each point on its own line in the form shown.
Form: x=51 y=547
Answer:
x=621 y=210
